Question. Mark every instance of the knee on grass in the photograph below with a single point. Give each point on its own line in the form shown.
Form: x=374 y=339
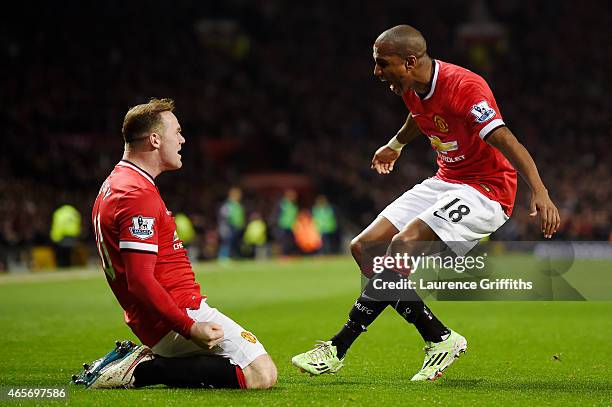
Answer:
x=261 y=373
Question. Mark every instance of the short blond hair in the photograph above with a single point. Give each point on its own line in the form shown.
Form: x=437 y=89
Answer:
x=145 y=118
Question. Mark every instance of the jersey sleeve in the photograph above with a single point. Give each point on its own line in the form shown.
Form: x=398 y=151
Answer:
x=137 y=216
x=140 y=273
x=479 y=108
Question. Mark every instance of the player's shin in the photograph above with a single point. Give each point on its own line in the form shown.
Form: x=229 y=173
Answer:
x=409 y=304
x=417 y=313
x=192 y=372
x=370 y=304
x=362 y=314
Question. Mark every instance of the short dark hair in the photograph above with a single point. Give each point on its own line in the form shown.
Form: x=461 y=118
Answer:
x=145 y=118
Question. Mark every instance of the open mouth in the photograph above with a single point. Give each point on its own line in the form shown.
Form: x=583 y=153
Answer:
x=391 y=85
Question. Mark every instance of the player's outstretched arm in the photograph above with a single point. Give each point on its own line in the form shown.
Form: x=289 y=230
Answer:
x=503 y=139
x=385 y=157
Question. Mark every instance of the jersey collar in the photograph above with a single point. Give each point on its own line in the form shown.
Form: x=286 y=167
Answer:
x=434 y=80
x=146 y=175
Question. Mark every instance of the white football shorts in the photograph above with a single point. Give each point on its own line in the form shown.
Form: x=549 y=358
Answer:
x=459 y=214
x=238 y=345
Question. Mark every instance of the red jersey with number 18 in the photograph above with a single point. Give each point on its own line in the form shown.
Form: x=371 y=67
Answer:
x=129 y=215
x=457 y=115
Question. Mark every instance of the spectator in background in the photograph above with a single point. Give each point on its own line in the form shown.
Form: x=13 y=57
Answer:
x=65 y=230
x=256 y=237
x=307 y=237
x=231 y=225
x=324 y=218
x=186 y=232
x=287 y=215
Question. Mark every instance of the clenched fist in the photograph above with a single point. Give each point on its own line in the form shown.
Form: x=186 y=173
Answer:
x=206 y=334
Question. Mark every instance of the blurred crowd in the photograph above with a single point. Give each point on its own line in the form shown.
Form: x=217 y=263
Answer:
x=241 y=232
x=294 y=230
x=272 y=86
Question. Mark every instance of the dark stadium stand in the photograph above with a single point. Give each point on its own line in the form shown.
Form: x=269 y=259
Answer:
x=271 y=86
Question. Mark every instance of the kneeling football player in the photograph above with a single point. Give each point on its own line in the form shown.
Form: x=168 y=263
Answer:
x=187 y=343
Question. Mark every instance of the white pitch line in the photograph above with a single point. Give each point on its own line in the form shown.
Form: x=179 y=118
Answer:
x=49 y=276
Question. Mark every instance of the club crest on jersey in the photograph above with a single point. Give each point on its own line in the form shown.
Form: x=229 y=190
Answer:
x=142 y=227
x=440 y=123
x=482 y=112
x=442 y=147
x=249 y=336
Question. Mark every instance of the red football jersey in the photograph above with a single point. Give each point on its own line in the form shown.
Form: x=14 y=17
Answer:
x=130 y=215
x=457 y=115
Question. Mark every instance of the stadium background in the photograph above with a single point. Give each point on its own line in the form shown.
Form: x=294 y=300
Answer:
x=285 y=90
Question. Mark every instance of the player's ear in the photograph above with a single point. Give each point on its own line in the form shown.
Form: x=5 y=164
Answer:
x=410 y=63
x=155 y=139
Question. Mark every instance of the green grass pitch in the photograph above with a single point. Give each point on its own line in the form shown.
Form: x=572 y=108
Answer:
x=53 y=322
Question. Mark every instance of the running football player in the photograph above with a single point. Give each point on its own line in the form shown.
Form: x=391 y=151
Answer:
x=470 y=197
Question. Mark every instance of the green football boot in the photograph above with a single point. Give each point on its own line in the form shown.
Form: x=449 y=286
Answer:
x=439 y=356
x=322 y=359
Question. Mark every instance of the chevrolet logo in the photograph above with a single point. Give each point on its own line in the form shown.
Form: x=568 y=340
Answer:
x=441 y=147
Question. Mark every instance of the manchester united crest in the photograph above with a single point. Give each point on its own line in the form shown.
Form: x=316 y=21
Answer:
x=249 y=336
x=440 y=124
